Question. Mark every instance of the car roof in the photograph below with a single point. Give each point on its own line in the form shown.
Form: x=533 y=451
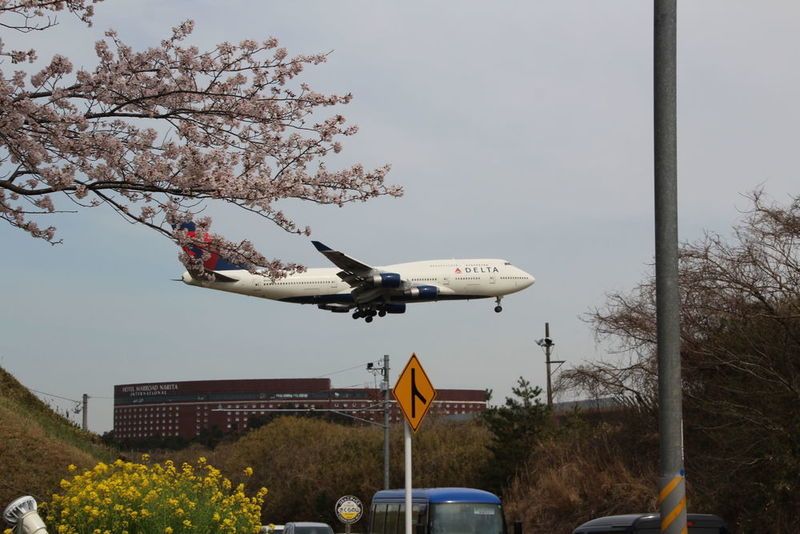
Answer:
x=440 y=495
x=648 y=520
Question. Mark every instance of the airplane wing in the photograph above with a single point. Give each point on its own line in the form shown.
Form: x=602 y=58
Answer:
x=374 y=290
x=353 y=271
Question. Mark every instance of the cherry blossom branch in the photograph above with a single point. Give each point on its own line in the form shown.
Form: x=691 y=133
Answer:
x=165 y=130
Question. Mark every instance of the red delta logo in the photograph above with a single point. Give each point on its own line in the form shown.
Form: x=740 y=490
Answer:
x=458 y=270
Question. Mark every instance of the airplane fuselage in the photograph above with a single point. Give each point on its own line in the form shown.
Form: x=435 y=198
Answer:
x=457 y=279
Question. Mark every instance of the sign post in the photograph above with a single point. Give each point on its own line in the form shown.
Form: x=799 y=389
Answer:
x=349 y=510
x=407 y=448
x=414 y=394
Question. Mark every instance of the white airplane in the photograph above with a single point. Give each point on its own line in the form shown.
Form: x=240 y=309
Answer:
x=367 y=290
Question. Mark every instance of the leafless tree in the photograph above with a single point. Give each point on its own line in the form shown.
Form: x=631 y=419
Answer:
x=740 y=330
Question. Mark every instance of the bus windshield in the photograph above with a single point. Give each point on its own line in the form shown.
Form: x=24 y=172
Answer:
x=466 y=518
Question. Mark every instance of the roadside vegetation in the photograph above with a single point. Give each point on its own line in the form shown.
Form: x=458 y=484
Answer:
x=153 y=497
x=37 y=444
x=307 y=463
x=740 y=352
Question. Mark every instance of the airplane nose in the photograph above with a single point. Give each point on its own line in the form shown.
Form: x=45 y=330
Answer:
x=186 y=277
x=530 y=281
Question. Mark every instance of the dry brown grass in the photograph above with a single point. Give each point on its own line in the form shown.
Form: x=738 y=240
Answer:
x=36 y=444
x=583 y=474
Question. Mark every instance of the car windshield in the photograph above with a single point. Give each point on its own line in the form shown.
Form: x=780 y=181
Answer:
x=466 y=518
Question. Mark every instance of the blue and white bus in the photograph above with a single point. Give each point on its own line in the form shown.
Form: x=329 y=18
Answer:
x=438 y=511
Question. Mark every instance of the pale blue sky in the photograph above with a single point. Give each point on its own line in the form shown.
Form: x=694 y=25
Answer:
x=519 y=130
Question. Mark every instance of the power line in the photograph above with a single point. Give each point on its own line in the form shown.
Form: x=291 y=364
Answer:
x=52 y=395
x=65 y=398
x=359 y=366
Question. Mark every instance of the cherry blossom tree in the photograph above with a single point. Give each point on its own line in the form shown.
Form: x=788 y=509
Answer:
x=158 y=134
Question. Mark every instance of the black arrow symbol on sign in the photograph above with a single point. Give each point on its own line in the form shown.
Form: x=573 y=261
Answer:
x=415 y=394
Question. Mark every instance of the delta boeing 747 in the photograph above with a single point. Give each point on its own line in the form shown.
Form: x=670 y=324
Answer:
x=365 y=290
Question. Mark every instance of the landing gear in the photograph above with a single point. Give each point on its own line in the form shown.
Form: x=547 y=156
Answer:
x=367 y=315
x=498 y=308
x=380 y=308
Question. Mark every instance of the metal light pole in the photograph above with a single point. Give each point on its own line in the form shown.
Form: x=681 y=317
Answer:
x=672 y=494
x=387 y=407
x=547 y=344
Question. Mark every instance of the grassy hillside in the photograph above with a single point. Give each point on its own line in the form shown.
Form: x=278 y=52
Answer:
x=36 y=444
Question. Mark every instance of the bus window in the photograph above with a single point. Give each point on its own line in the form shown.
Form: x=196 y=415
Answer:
x=392 y=513
x=419 y=514
x=418 y=519
x=466 y=518
x=378 y=519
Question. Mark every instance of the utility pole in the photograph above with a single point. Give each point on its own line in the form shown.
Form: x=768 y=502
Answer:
x=387 y=408
x=85 y=411
x=672 y=483
x=548 y=344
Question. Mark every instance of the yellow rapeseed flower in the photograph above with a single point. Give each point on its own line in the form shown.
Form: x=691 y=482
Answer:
x=143 y=497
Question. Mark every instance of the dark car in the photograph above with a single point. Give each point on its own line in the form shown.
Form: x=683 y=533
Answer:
x=306 y=527
x=650 y=524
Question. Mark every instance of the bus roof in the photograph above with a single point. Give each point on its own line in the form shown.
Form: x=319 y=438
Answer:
x=439 y=495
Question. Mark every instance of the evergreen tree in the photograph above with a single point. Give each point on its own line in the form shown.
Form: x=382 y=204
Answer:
x=515 y=427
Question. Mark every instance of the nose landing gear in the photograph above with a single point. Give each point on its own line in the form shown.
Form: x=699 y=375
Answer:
x=498 y=308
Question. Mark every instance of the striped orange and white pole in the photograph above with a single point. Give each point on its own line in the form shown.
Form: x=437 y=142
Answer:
x=672 y=504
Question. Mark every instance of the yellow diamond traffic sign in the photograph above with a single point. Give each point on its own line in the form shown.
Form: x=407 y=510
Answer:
x=414 y=392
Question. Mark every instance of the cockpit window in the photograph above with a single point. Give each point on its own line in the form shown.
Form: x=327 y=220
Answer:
x=507 y=263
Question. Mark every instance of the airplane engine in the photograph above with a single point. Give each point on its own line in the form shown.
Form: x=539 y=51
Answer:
x=423 y=292
x=335 y=308
x=388 y=280
x=396 y=307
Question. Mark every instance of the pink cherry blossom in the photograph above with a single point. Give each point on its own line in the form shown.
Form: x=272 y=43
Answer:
x=157 y=134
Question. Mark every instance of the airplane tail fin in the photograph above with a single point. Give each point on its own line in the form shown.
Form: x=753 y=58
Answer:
x=197 y=254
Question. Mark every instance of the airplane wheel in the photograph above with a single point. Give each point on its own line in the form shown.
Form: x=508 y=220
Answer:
x=368 y=318
x=382 y=313
x=498 y=309
x=357 y=315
